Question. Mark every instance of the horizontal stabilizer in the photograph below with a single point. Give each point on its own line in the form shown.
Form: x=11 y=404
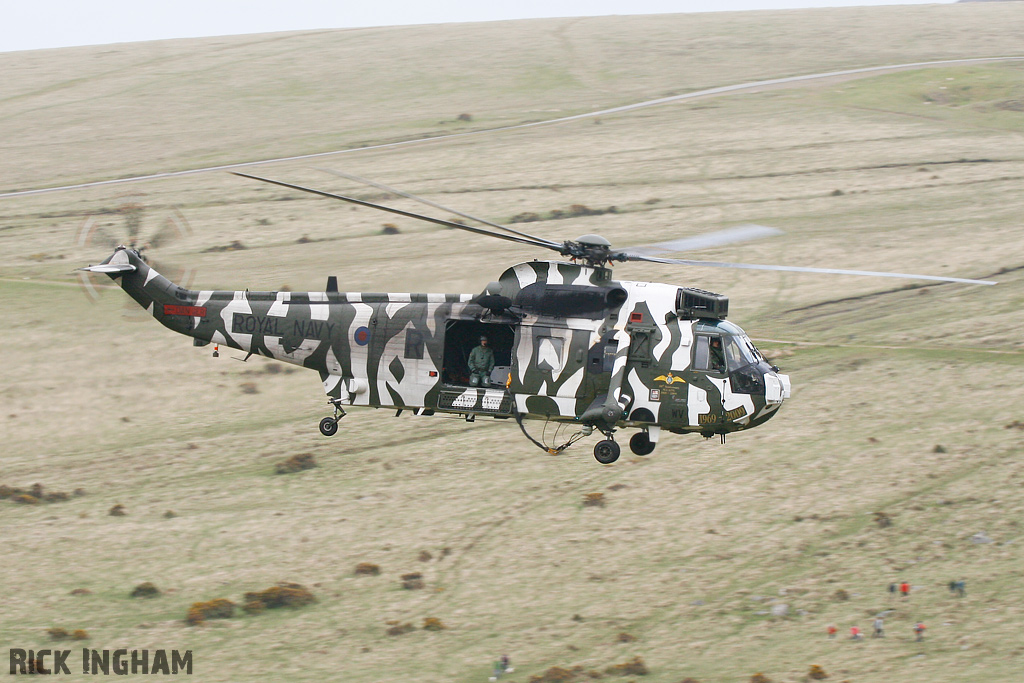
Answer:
x=111 y=268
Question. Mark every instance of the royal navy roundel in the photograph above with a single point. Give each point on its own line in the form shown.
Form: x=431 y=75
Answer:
x=362 y=336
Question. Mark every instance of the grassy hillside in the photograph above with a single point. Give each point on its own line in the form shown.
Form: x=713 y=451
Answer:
x=907 y=401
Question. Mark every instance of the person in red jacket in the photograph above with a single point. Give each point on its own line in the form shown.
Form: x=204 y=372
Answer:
x=904 y=589
x=919 y=631
x=855 y=633
x=831 y=630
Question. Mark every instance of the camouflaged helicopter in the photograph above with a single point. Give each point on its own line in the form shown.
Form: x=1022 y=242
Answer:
x=572 y=345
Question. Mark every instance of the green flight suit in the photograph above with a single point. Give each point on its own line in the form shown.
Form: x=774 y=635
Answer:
x=481 y=362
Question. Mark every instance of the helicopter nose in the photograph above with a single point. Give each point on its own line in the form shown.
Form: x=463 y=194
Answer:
x=777 y=388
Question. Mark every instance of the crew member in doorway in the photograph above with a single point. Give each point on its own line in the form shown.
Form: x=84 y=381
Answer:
x=481 y=362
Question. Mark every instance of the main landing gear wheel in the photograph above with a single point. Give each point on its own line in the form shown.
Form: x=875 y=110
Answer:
x=640 y=443
x=606 y=451
x=329 y=426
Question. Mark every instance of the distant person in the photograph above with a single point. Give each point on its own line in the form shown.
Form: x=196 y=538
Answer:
x=919 y=631
x=961 y=588
x=892 y=589
x=481 y=362
x=501 y=667
x=904 y=589
x=855 y=633
x=879 y=631
x=952 y=586
x=831 y=631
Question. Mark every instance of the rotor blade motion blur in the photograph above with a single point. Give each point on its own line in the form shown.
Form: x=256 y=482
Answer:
x=798 y=269
x=740 y=233
x=407 y=195
x=408 y=214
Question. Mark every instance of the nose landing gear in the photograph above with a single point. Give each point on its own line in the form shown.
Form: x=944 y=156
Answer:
x=606 y=451
x=329 y=425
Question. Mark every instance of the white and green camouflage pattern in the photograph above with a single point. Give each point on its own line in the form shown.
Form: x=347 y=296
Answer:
x=579 y=346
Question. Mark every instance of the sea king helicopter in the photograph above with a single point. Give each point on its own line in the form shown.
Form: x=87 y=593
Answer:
x=568 y=343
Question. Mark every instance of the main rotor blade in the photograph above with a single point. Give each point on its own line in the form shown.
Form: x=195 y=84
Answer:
x=740 y=233
x=798 y=269
x=438 y=221
x=421 y=200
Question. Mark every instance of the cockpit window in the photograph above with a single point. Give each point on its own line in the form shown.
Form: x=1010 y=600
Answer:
x=721 y=353
x=708 y=354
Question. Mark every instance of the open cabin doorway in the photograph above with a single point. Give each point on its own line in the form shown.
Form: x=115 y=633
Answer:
x=462 y=336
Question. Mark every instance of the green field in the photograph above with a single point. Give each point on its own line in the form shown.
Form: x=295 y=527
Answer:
x=908 y=399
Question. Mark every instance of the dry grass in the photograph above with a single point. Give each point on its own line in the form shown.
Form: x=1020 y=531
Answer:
x=900 y=371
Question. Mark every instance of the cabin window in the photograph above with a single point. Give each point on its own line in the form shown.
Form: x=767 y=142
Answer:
x=548 y=352
x=414 y=344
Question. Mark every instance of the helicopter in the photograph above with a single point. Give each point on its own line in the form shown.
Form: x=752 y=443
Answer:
x=568 y=343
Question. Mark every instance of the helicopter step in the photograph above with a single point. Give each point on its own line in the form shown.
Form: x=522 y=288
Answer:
x=476 y=400
x=329 y=425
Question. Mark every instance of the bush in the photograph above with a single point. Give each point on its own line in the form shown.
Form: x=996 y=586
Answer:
x=625 y=638
x=79 y=634
x=57 y=634
x=882 y=519
x=25 y=499
x=117 y=511
x=145 y=590
x=296 y=463
x=634 y=667
x=284 y=594
x=840 y=595
x=433 y=624
x=367 y=569
x=400 y=629
x=254 y=607
x=557 y=674
x=760 y=678
x=425 y=556
x=214 y=609
x=816 y=673
x=593 y=500
x=412 y=581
